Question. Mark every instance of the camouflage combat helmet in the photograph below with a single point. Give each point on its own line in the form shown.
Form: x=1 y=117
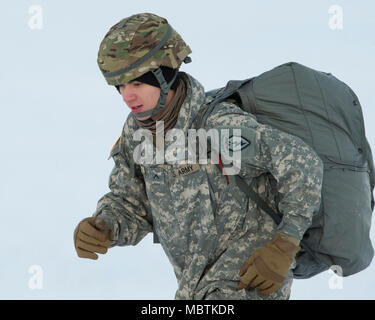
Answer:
x=139 y=44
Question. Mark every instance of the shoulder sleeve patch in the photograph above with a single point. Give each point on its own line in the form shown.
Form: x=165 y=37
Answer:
x=237 y=143
x=235 y=139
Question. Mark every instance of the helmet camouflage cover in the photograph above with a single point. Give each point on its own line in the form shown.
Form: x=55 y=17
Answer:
x=138 y=44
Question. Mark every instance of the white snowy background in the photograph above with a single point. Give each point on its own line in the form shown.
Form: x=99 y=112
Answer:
x=59 y=120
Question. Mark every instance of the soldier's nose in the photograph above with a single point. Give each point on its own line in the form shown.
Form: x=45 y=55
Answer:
x=128 y=96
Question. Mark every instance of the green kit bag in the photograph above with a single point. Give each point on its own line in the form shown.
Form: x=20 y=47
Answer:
x=326 y=114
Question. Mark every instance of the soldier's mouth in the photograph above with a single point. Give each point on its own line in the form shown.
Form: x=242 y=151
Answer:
x=137 y=109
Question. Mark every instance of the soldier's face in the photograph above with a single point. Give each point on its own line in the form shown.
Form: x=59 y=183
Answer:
x=140 y=97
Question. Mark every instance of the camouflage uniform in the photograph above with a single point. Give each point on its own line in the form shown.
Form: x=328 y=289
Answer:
x=207 y=227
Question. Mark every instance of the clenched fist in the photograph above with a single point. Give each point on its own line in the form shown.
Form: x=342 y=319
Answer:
x=267 y=267
x=90 y=236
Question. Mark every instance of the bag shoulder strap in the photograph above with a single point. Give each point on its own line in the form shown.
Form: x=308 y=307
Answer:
x=248 y=190
x=276 y=216
x=218 y=95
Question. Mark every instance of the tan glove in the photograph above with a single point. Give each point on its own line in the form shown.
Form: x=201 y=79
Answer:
x=90 y=236
x=267 y=267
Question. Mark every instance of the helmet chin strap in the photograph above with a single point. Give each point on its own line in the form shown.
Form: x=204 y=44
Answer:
x=164 y=89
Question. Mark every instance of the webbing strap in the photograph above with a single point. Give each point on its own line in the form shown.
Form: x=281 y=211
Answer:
x=165 y=87
x=276 y=216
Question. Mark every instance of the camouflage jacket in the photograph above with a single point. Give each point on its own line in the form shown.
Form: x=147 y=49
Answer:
x=205 y=224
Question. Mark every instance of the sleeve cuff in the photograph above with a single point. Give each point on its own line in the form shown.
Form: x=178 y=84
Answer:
x=110 y=225
x=290 y=230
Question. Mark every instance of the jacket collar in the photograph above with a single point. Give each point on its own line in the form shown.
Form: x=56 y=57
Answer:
x=195 y=98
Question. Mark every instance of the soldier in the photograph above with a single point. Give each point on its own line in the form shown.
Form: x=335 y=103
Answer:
x=221 y=245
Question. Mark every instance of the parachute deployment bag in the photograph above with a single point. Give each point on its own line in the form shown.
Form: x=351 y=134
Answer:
x=326 y=114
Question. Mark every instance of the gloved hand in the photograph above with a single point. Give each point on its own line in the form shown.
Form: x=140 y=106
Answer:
x=267 y=267
x=90 y=236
